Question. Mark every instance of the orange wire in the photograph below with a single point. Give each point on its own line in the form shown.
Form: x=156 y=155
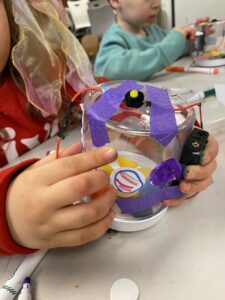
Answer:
x=84 y=90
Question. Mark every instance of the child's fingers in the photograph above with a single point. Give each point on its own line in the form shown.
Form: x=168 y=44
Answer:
x=66 y=167
x=195 y=186
x=202 y=20
x=210 y=151
x=191 y=34
x=73 y=189
x=82 y=215
x=200 y=172
x=198 y=178
x=69 y=151
x=81 y=236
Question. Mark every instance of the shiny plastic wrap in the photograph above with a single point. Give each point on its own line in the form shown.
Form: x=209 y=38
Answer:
x=47 y=54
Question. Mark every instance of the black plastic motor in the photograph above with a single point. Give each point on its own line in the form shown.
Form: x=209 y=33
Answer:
x=134 y=99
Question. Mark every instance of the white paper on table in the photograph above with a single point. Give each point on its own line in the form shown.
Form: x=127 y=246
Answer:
x=220 y=92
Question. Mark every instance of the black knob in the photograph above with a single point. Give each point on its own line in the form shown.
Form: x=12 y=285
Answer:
x=134 y=99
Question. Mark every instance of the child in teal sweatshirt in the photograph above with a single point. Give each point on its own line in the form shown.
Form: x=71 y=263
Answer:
x=134 y=48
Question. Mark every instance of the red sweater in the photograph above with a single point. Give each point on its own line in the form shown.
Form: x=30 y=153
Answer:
x=18 y=134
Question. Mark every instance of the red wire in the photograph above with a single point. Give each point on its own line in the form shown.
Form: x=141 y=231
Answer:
x=186 y=107
x=57 y=147
x=200 y=114
x=192 y=105
x=126 y=114
x=84 y=90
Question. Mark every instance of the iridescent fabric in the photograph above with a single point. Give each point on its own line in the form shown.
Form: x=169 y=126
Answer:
x=48 y=54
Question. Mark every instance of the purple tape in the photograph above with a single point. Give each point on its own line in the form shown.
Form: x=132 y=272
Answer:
x=101 y=111
x=163 y=126
x=137 y=204
x=166 y=172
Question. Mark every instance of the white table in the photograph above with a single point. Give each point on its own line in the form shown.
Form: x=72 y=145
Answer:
x=213 y=111
x=182 y=257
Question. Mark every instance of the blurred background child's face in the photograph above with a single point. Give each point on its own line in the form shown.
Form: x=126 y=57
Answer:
x=137 y=12
x=4 y=37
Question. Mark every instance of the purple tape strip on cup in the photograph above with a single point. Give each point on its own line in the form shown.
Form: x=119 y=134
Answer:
x=137 y=204
x=163 y=126
x=101 y=111
x=166 y=172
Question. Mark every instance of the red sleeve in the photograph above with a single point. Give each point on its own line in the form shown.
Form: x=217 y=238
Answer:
x=7 y=245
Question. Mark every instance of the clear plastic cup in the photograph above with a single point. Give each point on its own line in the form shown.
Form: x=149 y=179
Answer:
x=129 y=133
x=210 y=44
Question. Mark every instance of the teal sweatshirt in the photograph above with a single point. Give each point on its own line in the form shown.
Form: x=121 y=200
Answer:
x=124 y=55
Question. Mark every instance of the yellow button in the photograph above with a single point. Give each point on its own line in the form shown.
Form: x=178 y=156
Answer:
x=134 y=94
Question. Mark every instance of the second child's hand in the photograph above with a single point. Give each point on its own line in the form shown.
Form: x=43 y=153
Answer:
x=189 y=31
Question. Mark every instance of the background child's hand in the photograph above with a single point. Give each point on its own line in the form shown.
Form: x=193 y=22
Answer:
x=202 y=21
x=208 y=30
x=39 y=206
x=198 y=178
x=188 y=32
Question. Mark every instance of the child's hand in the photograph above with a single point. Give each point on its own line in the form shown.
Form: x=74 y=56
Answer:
x=208 y=29
x=201 y=21
x=39 y=206
x=198 y=178
x=188 y=32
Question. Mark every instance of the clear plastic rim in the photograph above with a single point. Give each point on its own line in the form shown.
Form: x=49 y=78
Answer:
x=126 y=225
x=188 y=120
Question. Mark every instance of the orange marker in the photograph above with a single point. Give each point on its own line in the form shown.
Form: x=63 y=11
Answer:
x=214 y=71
